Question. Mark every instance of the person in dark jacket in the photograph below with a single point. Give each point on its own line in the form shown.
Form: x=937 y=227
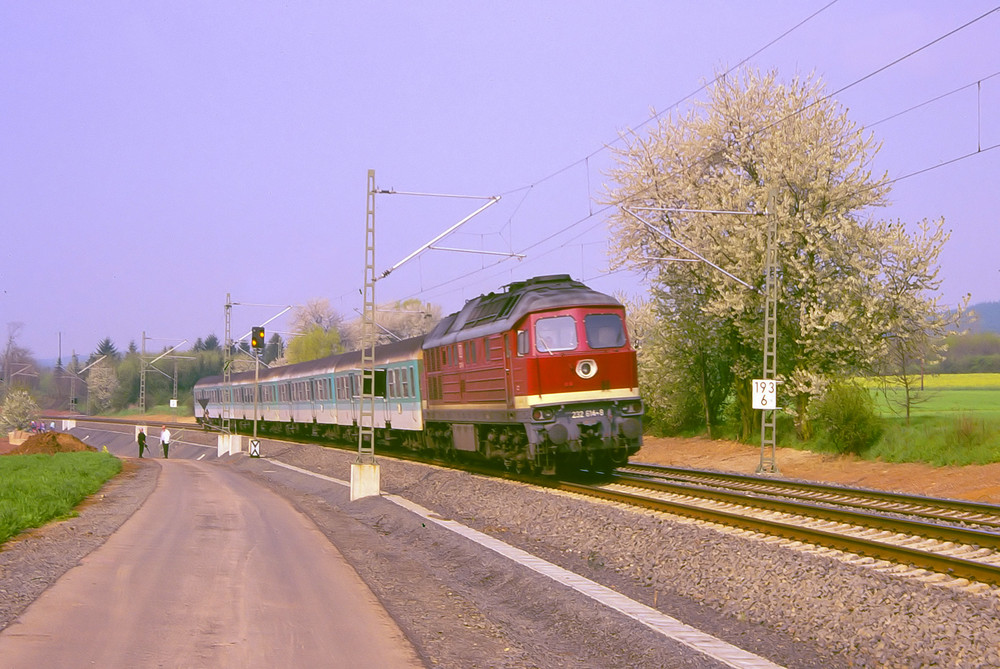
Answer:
x=141 y=439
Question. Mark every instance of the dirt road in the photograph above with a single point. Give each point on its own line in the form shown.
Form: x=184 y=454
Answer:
x=212 y=571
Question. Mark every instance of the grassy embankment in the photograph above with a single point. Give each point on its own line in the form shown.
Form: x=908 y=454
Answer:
x=158 y=413
x=40 y=488
x=954 y=420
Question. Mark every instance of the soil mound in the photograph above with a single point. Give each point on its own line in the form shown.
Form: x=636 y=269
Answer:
x=50 y=442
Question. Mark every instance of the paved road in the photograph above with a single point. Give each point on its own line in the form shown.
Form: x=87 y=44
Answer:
x=212 y=571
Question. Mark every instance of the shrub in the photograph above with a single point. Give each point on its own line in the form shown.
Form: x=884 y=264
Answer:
x=18 y=410
x=966 y=432
x=847 y=418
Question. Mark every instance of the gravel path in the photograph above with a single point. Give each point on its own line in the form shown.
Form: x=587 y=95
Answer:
x=464 y=606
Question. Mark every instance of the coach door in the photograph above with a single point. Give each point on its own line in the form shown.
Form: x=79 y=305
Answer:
x=380 y=410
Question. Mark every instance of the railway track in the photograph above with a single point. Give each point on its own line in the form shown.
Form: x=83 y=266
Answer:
x=952 y=537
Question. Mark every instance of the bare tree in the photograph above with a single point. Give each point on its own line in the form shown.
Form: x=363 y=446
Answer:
x=915 y=325
x=18 y=365
x=315 y=312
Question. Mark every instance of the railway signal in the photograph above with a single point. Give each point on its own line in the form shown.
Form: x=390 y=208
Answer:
x=257 y=338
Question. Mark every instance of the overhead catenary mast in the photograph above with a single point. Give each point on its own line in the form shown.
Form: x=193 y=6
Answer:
x=365 y=471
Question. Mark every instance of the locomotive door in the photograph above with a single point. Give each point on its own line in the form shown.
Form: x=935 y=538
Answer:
x=508 y=371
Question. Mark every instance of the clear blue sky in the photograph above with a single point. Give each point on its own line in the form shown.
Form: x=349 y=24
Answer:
x=156 y=156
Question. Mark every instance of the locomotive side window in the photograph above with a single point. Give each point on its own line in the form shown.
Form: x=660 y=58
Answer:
x=604 y=330
x=556 y=333
x=522 y=342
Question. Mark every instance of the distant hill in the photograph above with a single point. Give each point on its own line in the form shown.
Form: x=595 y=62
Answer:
x=988 y=317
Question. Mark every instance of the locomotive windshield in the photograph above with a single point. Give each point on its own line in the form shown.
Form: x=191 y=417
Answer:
x=557 y=333
x=604 y=330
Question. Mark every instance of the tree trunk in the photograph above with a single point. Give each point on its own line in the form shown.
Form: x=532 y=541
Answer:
x=704 y=395
x=803 y=428
x=744 y=401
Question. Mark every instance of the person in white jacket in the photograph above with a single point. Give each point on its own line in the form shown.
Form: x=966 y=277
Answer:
x=165 y=439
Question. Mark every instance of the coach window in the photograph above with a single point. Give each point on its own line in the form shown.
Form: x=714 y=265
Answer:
x=404 y=381
x=556 y=333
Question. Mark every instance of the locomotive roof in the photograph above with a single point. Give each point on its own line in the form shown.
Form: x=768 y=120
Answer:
x=496 y=312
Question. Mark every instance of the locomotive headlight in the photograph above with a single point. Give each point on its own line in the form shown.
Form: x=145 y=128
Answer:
x=631 y=408
x=542 y=414
x=586 y=369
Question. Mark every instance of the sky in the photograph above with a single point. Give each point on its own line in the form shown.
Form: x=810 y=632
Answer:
x=158 y=158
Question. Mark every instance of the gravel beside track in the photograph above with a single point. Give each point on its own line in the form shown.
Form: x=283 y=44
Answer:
x=463 y=606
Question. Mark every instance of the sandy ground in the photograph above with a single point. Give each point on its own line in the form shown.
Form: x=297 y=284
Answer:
x=979 y=483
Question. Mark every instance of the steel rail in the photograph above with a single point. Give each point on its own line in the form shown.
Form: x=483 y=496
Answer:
x=867 y=519
x=952 y=566
x=134 y=421
x=946 y=504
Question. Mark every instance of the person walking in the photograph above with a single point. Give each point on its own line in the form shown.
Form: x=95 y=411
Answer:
x=165 y=440
x=141 y=439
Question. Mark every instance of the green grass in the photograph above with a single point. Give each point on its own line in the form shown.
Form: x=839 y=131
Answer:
x=940 y=402
x=954 y=420
x=37 y=489
x=946 y=381
x=181 y=411
x=966 y=439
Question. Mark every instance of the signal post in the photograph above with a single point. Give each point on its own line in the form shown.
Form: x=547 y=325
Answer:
x=257 y=344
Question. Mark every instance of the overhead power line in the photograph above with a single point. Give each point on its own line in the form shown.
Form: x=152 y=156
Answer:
x=526 y=189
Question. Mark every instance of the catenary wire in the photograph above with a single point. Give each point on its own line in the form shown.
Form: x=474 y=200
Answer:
x=526 y=189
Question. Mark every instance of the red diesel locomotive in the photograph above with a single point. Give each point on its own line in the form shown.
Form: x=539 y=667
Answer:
x=538 y=375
